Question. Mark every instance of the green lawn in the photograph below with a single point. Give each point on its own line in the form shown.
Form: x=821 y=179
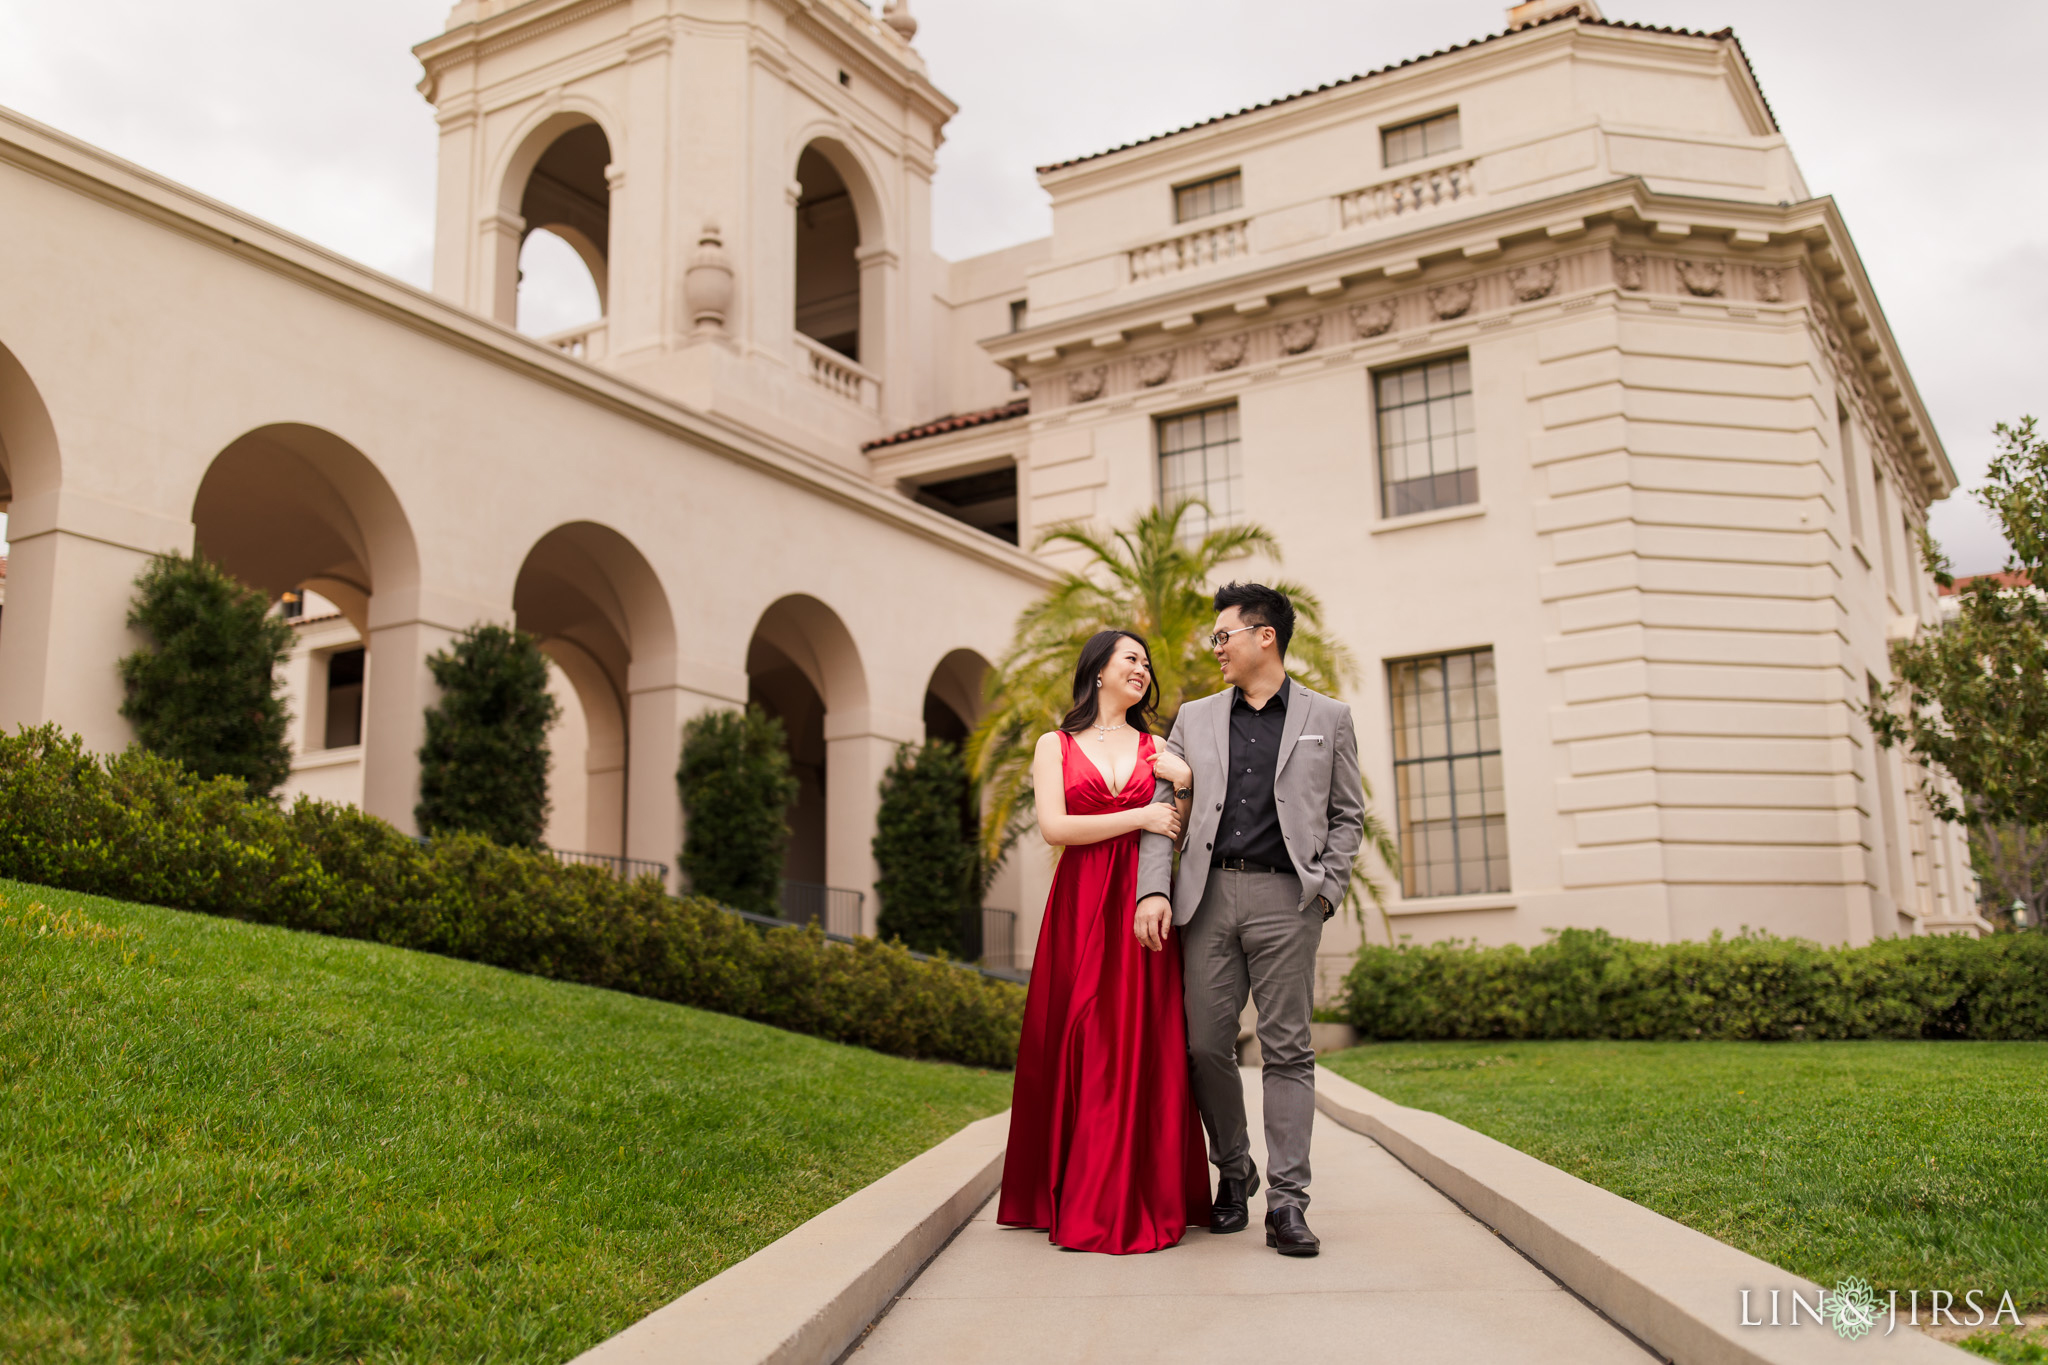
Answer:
x=1915 y=1165
x=225 y=1142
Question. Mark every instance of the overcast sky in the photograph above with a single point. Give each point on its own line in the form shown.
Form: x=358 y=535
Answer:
x=1924 y=123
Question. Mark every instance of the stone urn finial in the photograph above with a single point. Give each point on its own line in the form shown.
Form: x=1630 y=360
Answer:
x=896 y=14
x=707 y=284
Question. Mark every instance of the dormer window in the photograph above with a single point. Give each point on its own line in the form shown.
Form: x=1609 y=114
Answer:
x=1217 y=194
x=1424 y=137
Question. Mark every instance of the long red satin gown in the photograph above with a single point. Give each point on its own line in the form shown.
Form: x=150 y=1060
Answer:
x=1106 y=1149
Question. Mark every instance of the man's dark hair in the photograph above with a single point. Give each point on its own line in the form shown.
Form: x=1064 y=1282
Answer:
x=1259 y=605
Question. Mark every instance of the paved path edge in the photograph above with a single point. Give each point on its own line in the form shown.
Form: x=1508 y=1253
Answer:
x=1677 y=1290
x=805 y=1297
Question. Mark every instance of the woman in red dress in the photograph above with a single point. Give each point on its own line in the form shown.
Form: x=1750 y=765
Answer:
x=1106 y=1149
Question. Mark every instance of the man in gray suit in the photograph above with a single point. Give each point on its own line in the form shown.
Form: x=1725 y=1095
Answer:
x=1273 y=824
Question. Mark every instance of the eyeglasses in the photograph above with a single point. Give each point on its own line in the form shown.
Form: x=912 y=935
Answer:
x=1222 y=637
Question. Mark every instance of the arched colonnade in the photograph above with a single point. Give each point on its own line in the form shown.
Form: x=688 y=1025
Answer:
x=295 y=508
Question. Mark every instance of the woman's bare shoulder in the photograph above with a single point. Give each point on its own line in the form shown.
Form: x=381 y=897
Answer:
x=1048 y=743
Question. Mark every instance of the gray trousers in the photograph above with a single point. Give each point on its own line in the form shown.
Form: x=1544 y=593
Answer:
x=1249 y=937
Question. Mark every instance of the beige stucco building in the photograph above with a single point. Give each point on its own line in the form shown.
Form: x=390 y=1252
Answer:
x=1538 y=355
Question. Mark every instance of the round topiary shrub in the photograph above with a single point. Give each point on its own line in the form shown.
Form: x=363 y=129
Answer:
x=205 y=692
x=484 y=766
x=736 y=787
x=925 y=855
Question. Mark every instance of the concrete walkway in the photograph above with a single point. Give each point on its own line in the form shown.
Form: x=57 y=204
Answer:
x=1405 y=1275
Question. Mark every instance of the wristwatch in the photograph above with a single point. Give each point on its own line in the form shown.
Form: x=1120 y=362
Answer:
x=1183 y=793
x=1328 y=909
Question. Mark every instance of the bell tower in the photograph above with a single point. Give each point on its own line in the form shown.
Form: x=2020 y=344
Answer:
x=748 y=181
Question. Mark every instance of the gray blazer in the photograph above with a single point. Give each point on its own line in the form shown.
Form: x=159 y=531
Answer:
x=1316 y=790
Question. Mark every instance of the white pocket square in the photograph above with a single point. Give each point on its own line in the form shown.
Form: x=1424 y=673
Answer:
x=1306 y=738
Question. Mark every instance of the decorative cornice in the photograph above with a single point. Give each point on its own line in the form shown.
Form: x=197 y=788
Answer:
x=93 y=174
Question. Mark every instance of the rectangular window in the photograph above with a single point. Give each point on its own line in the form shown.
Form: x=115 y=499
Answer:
x=344 y=698
x=1846 y=431
x=1217 y=194
x=1429 y=454
x=1450 y=801
x=1424 y=137
x=1198 y=459
x=1018 y=309
x=1884 y=516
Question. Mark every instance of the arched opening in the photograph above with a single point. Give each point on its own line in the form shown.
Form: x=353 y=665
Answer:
x=28 y=466
x=953 y=703
x=558 y=188
x=557 y=292
x=828 y=240
x=597 y=608
x=303 y=515
x=952 y=699
x=803 y=669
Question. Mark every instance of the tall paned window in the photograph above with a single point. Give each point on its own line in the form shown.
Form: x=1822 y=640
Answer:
x=1218 y=194
x=1846 y=433
x=1451 y=805
x=1429 y=453
x=1424 y=137
x=1198 y=458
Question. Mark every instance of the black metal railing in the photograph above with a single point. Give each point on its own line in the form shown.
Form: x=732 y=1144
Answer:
x=834 y=909
x=625 y=869
x=999 y=940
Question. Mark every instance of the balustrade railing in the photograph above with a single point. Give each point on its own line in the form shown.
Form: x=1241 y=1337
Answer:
x=834 y=908
x=1407 y=194
x=625 y=869
x=581 y=343
x=1191 y=251
x=999 y=939
x=834 y=372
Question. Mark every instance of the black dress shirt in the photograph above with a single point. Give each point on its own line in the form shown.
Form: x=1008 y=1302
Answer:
x=1250 y=827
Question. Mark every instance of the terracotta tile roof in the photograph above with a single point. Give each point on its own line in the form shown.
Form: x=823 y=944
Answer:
x=1016 y=407
x=2002 y=578
x=1722 y=35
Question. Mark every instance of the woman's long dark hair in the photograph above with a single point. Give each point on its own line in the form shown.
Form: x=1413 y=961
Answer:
x=1095 y=656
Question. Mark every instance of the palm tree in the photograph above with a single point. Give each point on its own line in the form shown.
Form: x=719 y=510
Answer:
x=1156 y=580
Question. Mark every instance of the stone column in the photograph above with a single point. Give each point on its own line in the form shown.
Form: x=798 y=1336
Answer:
x=880 y=326
x=70 y=581
x=407 y=626
x=657 y=710
x=859 y=746
x=499 y=236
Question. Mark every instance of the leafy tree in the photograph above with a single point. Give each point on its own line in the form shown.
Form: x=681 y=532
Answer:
x=925 y=848
x=736 y=788
x=484 y=766
x=206 y=691
x=1971 y=696
x=1149 y=578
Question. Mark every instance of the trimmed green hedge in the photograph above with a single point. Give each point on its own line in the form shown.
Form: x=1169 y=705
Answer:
x=140 y=828
x=1586 y=983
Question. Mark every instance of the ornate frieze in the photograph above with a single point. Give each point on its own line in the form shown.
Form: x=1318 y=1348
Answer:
x=1226 y=353
x=1300 y=335
x=1703 y=279
x=1770 y=283
x=1452 y=300
x=1155 y=369
x=1629 y=269
x=1371 y=319
x=1085 y=385
x=1532 y=282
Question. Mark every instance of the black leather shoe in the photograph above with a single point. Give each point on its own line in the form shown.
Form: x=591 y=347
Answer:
x=1287 y=1232
x=1231 y=1211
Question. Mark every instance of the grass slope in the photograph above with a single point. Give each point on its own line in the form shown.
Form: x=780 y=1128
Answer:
x=1914 y=1165
x=226 y=1142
